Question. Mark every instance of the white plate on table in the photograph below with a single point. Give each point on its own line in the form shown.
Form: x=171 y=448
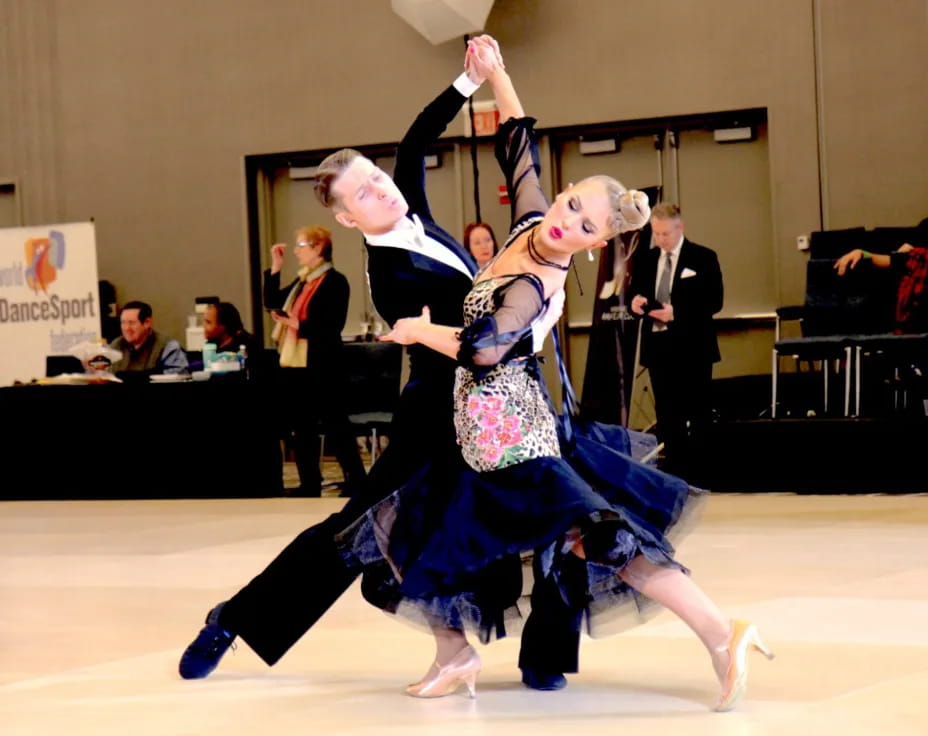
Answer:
x=169 y=378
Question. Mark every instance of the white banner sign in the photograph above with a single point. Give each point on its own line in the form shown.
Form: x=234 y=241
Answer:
x=48 y=295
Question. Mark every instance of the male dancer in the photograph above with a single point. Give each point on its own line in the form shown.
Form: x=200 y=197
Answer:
x=412 y=263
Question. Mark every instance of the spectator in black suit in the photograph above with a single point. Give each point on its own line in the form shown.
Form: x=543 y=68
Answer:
x=678 y=341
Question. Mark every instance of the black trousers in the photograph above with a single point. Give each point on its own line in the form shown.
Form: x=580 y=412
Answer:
x=683 y=405
x=551 y=637
x=283 y=602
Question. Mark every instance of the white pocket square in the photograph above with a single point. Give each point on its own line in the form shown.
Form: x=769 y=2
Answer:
x=687 y=273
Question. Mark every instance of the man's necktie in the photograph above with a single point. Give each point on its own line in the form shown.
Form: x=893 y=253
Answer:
x=663 y=288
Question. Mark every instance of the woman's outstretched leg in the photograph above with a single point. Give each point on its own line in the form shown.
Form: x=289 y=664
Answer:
x=677 y=592
x=727 y=641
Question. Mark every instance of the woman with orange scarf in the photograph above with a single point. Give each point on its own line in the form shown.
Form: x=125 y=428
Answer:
x=310 y=314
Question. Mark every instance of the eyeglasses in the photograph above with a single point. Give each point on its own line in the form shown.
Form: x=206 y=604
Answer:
x=304 y=243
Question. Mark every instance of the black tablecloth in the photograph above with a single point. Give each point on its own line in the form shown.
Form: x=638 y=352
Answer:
x=212 y=439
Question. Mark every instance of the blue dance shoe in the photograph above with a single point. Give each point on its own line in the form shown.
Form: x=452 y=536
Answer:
x=204 y=653
x=538 y=680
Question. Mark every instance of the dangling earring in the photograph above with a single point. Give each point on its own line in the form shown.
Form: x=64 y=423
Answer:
x=589 y=255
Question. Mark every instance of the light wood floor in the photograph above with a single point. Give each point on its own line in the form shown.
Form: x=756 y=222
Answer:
x=98 y=599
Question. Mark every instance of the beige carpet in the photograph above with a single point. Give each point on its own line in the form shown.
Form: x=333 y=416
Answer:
x=99 y=599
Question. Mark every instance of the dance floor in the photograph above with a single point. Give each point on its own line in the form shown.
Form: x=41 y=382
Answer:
x=99 y=598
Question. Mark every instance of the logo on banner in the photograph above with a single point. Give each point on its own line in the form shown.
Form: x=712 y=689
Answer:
x=45 y=257
x=44 y=260
x=48 y=295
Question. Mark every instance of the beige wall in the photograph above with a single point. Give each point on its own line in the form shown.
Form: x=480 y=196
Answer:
x=139 y=113
x=874 y=69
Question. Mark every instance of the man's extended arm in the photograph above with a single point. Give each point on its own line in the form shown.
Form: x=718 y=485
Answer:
x=409 y=171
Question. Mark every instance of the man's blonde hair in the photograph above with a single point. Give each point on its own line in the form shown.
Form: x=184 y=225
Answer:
x=666 y=211
x=327 y=174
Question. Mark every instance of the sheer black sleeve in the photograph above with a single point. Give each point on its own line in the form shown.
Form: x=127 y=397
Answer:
x=517 y=154
x=489 y=340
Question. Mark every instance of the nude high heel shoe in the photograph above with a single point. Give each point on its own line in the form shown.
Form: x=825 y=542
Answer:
x=744 y=637
x=462 y=669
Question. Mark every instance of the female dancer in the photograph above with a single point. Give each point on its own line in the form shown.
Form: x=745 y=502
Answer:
x=450 y=563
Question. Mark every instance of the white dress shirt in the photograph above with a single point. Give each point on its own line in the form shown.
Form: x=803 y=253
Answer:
x=409 y=234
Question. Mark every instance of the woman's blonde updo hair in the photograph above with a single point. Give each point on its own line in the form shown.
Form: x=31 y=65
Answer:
x=630 y=210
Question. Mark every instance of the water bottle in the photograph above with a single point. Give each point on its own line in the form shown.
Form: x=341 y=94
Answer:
x=209 y=355
x=243 y=360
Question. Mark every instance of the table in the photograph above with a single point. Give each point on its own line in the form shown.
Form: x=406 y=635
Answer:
x=211 y=439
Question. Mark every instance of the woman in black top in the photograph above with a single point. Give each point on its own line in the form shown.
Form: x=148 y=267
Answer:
x=310 y=313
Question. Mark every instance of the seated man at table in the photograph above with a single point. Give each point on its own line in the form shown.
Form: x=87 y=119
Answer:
x=144 y=350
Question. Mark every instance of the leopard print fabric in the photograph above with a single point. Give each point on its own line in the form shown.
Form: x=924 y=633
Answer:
x=503 y=418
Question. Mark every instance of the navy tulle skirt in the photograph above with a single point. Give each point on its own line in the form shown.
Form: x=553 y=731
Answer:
x=450 y=547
